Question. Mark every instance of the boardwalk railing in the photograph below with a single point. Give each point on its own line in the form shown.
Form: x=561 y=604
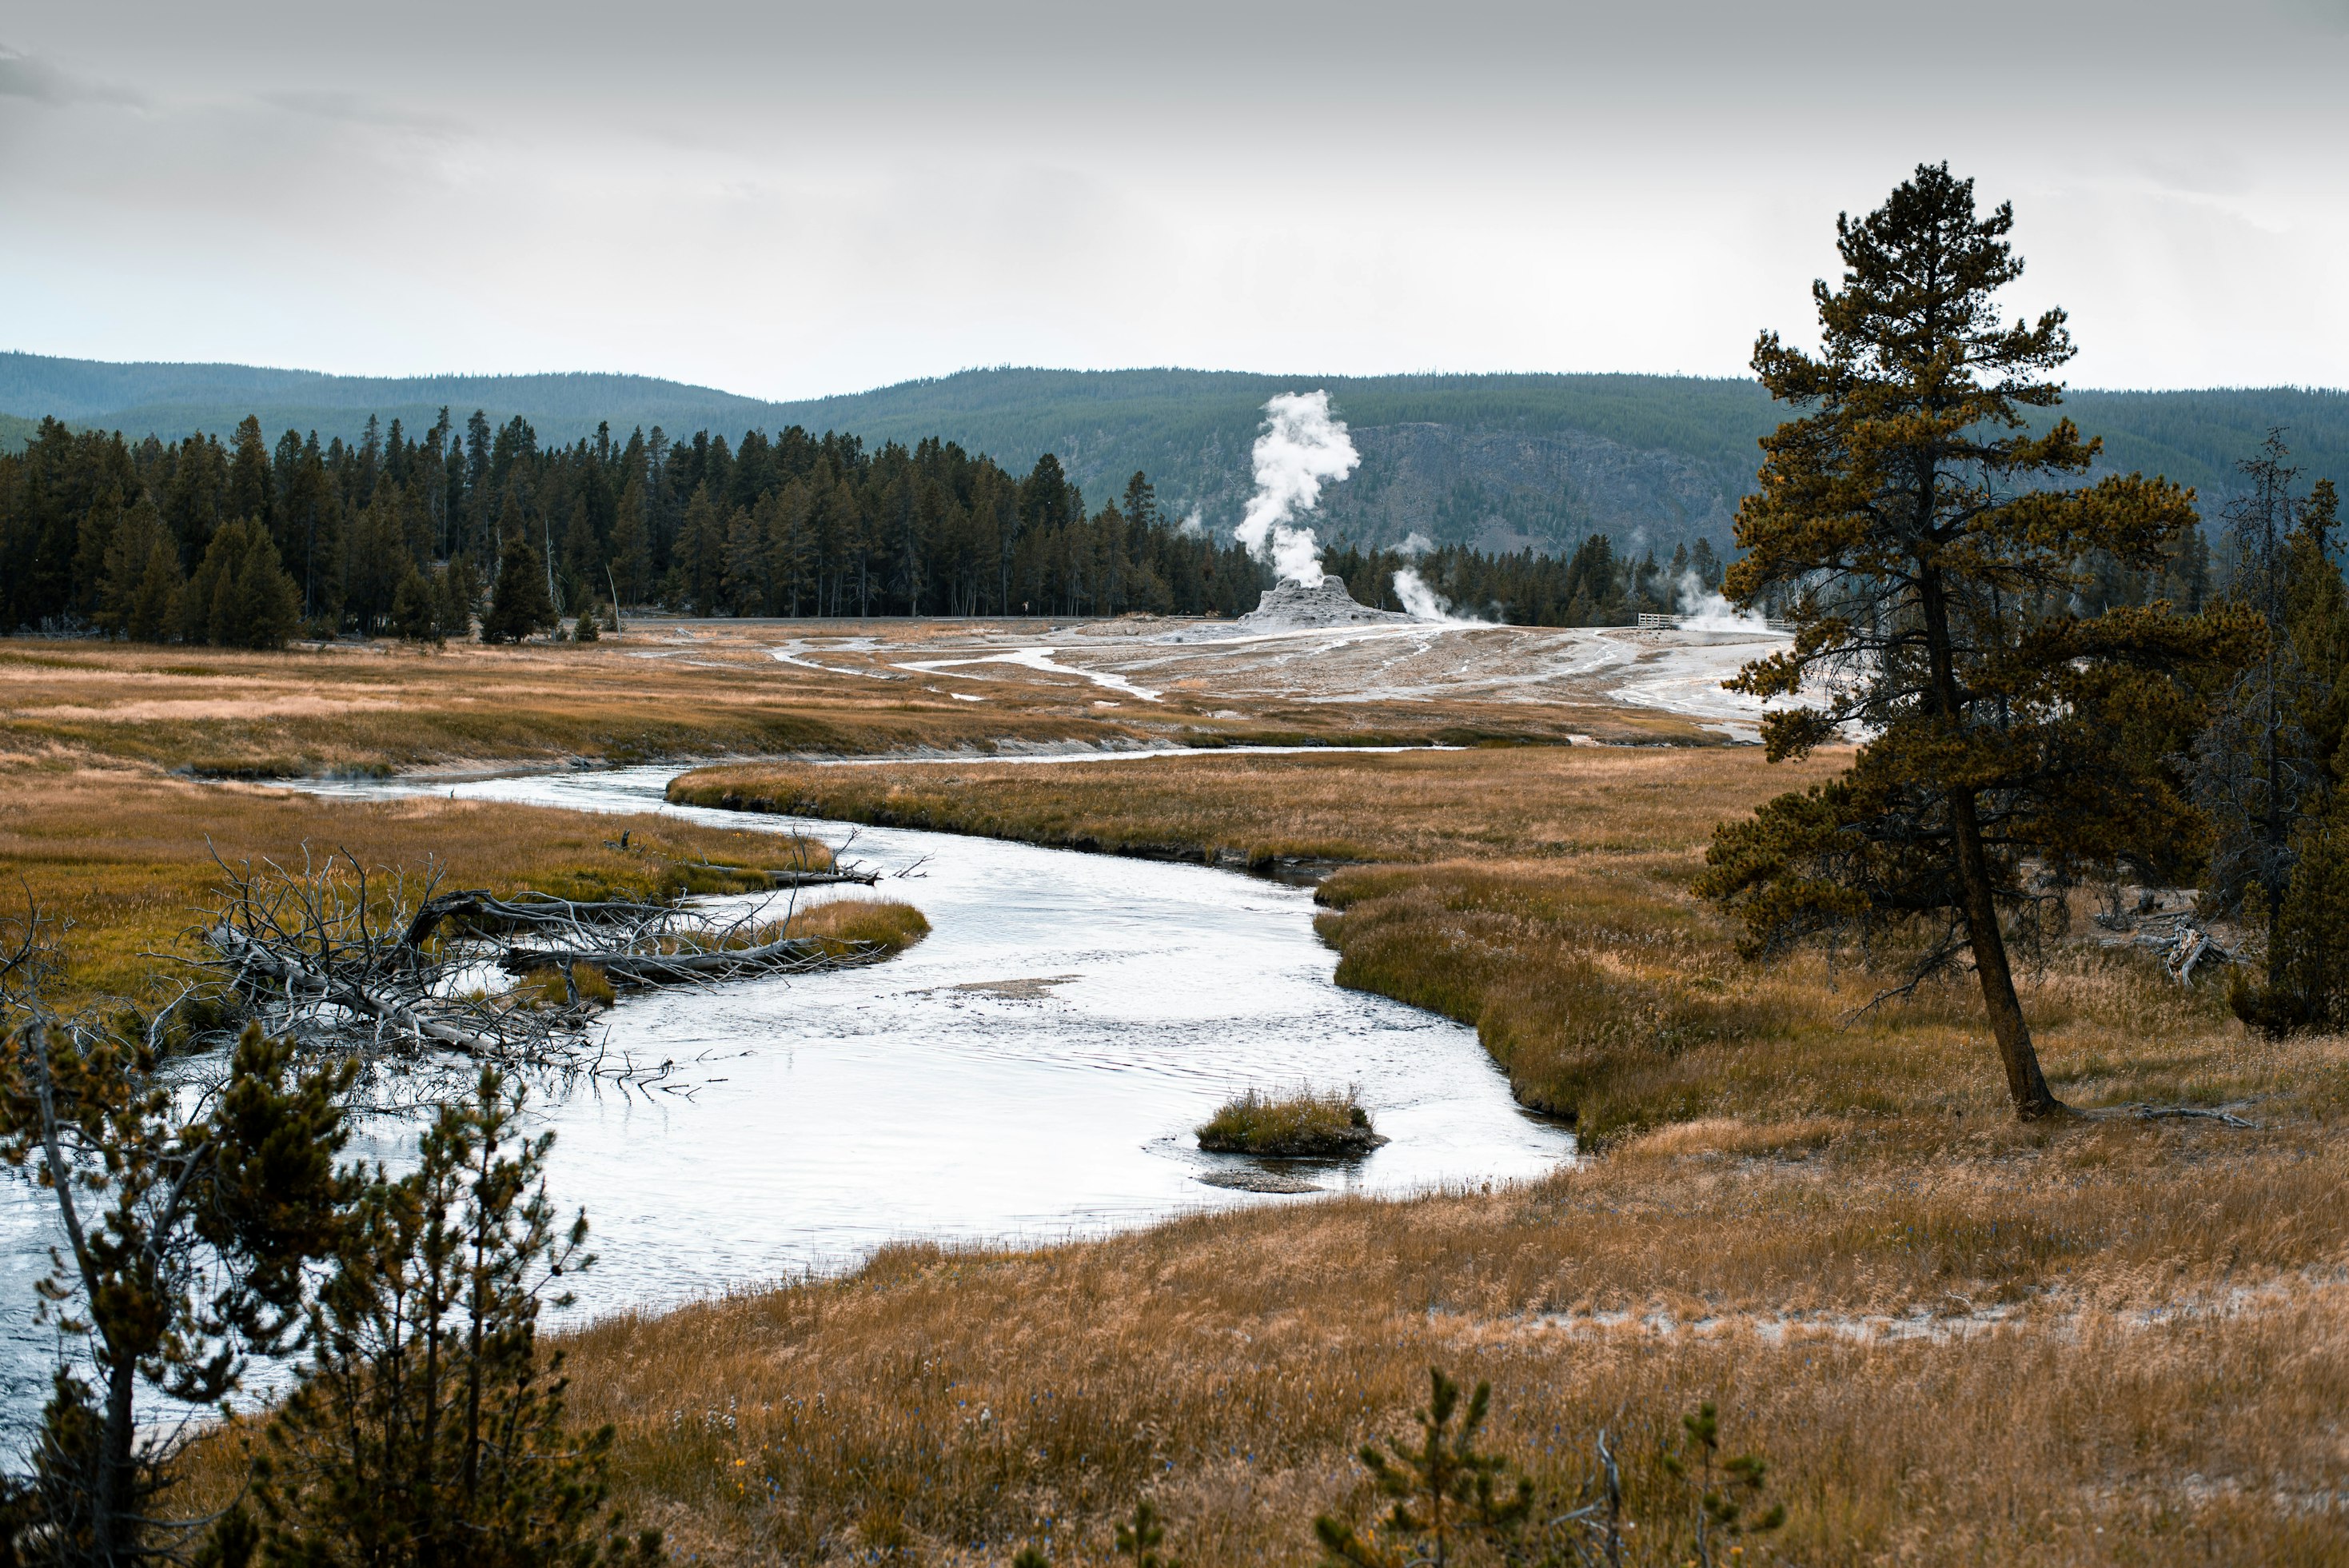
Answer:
x=1670 y=622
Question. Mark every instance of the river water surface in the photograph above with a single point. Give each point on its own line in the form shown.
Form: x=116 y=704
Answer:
x=1029 y=1072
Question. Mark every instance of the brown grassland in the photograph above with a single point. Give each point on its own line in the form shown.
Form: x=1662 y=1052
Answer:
x=2108 y=1341
x=1957 y=1339
x=662 y=691
x=126 y=853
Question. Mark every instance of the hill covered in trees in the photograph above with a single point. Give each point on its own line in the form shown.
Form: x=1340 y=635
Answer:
x=1501 y=463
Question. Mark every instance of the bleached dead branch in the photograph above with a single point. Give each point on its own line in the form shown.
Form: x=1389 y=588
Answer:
x=384 y=960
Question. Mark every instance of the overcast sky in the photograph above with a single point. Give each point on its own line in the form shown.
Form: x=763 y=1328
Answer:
x=789 y=200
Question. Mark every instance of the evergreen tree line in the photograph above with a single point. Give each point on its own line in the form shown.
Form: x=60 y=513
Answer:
x=1596 y=586
x=246 y=544
x=399 y=532
x=2270 y=770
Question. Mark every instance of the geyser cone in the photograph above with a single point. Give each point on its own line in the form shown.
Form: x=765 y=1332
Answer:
x=1304 y=607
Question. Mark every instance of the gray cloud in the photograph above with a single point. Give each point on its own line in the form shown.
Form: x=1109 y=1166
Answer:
x=361 y=110
x=788 y=197
x=24 y=76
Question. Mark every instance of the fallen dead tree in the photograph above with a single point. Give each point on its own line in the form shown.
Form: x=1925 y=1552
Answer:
x=2180 y=939
x=331 y=953
x=336 y=954
x=687 y=965
x=790 y=878
x=480 y=910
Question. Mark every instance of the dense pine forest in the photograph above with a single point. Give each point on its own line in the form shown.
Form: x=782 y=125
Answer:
x=251 y=542
x=135 y=538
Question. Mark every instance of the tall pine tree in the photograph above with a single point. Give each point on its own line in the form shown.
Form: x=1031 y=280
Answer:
x=1930 y=542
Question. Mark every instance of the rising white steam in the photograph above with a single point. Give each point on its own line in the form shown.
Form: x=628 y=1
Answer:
x=1706 y=610
x=1422 y=602
x=1300 y=450
x=1191 y=527
x=1415 y=543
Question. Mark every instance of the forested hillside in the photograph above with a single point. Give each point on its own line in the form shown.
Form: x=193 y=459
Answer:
x=1501 y=463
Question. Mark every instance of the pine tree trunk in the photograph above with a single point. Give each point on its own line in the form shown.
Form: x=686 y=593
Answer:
x=2026 y=1087
x=110 y=1505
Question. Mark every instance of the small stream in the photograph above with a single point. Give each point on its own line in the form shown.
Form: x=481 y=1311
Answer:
x=1029 y=1072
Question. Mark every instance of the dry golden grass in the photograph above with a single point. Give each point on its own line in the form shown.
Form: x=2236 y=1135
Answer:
x=2013 y=1353
x=1956 y=1339
x=1304 y=1123
x=126 y=853
x=2020 y=1361
x=847 y=925
x=659 y=691
x=390 y=706
x=1587 y=803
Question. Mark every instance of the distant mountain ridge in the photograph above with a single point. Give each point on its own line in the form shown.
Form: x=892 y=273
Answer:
x=1503 y=461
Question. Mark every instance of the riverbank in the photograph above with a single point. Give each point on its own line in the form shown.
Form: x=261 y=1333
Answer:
x=2111 y=1341
x=127 y=854
x=1542 y=896
x=2121 y=1344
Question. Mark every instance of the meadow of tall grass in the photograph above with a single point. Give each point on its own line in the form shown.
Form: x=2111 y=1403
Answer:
x=2027 y=1350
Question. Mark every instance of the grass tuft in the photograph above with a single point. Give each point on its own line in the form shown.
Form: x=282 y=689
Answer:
x=852 y=925
x=590 y=984
x=1306 y=1125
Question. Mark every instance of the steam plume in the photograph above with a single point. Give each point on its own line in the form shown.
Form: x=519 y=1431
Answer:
x=1421 y=601
x=1707 y=610
x=1300 y=450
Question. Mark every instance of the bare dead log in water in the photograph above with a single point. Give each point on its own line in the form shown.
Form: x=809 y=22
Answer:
x=291 y=978
x=785 y=955
x=340 y=956
x=784 y=877
x=320 y=952
x=533 y=911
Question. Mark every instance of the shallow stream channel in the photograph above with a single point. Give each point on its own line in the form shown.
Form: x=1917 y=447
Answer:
x=1029 y=1072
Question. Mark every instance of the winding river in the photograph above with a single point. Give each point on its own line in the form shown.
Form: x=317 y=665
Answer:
x=1029 y=1072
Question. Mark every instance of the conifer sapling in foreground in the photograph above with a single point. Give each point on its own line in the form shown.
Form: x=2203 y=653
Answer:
x=189 y=1218
x=1445 y=1490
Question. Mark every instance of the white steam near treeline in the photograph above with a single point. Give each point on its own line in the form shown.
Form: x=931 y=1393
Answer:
x=1300 y=450
x=1705 y=609
x=1419 y=600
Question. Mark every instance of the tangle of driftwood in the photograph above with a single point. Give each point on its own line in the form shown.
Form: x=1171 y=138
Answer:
x=337 y=954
